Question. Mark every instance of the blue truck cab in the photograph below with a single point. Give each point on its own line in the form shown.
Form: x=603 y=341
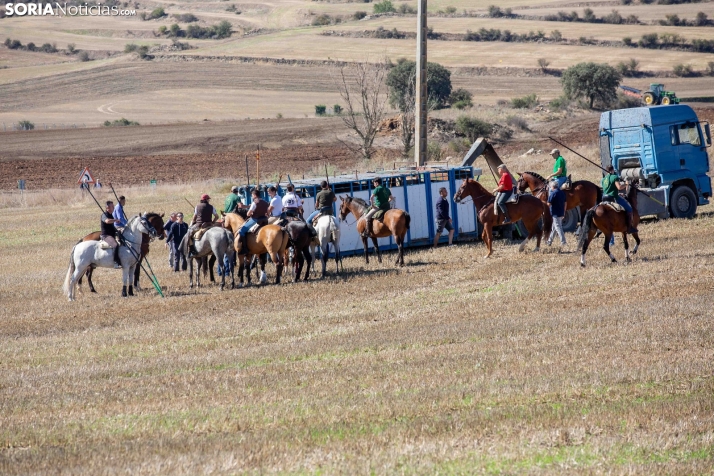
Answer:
x=664 y=148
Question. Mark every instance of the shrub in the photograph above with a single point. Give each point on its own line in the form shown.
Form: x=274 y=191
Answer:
x=358 y=15
x=433 y=151
x=83 y=56
x=559 y=103
x=701 y=19
x=556 y=35
x=518 y=122
x=175 y=30
x=179 y=45
x=223 y=30
x=71 y=49
x=320 y=110
x=163 y=30
x=30 y=46
x=279 y=115
x=613 y=17
x=671 y=39
x=543 y=64
x=185 y=17
x=401 y=78
x=632 y=20
x=337 y=109
x=526 y=102
x=157 y=13
x=683 y=70
x=626 y=2
x=321 y=20
x=628 y=69
x=450 y=10
x=704 y=46
x=13 y=44
x=26 y=125
x=502 y=102
x=625 y=102
x=120 y=122
x=473 y=128
x=143 y=52
x=649 y=40
x=627 y=41
x=48 y=48
x=130 y=47
x=710 y=68
x=385 y=6
x=495 y=11
x=406 y=9
x=589 y=16
x=462 y=96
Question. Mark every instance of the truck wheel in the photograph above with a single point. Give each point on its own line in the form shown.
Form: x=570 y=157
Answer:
x=666 y=101
x=649 y=99
x=683 y=203
x=570 y=220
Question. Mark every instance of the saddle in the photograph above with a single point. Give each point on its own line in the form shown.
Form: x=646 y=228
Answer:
x=379 y=216
x=104 y=245
x=614 y=205
x=198 y=234
x=568 y=183
x=257 y=226
x=514 y=198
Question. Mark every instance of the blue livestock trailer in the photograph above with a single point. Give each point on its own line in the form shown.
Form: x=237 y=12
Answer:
x=415 y=191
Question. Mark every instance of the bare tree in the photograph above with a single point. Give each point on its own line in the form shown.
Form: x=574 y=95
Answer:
x=407 y=130
x=363 y=90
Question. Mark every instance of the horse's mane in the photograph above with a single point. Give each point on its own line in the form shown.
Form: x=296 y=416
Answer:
x=536 y=175
x=241 y=212
x=360 y=202
x=150 y=215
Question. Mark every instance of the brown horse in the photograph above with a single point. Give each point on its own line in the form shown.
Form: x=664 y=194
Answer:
x=156 y=221
x=270 y=239
x=604 y=218
x=582 y=193
x=529 y=209
x=395 y=223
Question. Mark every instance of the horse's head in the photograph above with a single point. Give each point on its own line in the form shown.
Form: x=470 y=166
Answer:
x=464 y=190
x=521 y=184
x=146 y=228
x=345 y=207
x=157 y=222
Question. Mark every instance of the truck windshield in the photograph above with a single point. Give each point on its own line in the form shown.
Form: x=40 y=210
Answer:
x=686 y=134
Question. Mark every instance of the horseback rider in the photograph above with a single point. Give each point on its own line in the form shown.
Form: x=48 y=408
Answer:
x=108 y=232
x=292 y=203
x=275 y=209
x=504 y=191
x=611 y=186
x=119 y=214
x=233 y=201
x=380 y=198
x=203 y=217
x=323 y=205
x=258 y=213
x=560 y=171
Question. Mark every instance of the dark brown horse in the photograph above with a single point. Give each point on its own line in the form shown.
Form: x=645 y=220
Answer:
x=300 y=240
x=395 y=223
x=156 y=220
x=604 y=218
x=582 y=193
x=529 y=209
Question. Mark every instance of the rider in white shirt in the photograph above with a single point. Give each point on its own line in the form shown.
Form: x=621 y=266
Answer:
x=292 y=203
x=275 y=210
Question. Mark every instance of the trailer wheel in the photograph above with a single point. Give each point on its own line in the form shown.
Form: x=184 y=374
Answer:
x=570 y=220
x=683 y=203
x=649 y=99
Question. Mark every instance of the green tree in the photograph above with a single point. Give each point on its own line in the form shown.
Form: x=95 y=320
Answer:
x=592 y=81
x=473 y=128
x=402 y=77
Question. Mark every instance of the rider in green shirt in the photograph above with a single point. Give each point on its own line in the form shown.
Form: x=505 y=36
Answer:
x=560 y=171
x=233 y=201
x=381 y=196
x=611 y=187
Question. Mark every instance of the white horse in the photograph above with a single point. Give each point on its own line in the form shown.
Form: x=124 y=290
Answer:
x=89 y=253
x=328 y=231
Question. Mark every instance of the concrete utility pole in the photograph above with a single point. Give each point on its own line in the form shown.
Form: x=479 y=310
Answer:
x=420 y=86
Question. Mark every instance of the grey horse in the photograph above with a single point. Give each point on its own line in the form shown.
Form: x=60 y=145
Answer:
x=216 y=242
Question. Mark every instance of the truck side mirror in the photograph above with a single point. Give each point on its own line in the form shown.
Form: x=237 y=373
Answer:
x=707 y=134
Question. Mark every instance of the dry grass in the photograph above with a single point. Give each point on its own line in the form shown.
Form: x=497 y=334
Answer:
x=524 y=363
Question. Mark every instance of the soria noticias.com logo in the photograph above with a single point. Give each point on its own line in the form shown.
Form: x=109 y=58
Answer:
x=56 y=9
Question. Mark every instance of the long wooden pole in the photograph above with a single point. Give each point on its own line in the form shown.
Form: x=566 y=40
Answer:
x=420 y=87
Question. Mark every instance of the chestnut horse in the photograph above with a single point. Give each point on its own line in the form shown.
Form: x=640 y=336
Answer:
x=529 y=209
x=582 y=193
x=270 y=239
x=395 y=223
x=156 y=221
x=604 y=218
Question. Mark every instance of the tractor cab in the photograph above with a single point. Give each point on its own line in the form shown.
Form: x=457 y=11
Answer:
x=658 y=95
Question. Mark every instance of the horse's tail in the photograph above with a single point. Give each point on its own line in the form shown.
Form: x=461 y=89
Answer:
x=587 y=224
x=408 y=219
x=334 y=230
x=70 y=271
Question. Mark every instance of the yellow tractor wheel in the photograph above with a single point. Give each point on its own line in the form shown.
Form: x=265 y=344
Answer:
x=666 y=100
x=649 y=99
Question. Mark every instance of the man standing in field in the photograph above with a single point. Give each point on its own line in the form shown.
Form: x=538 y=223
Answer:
x=233 y=201
x=177 y=231
x=556 y=202
x=167 y=228
x=442 y=217
x=119 y=214
x=381 y=198
x=560 y=170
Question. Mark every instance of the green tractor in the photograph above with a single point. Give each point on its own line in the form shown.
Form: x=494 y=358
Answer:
x=656 y=95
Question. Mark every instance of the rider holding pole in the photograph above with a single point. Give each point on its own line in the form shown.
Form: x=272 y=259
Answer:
x=504 y=191
x=108 y=232
x=560 y=171
x=611 y=186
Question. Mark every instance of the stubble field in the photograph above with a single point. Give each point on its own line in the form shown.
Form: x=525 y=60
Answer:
x=523 y=363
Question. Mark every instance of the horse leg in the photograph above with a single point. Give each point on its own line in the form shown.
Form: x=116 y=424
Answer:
x=241 y=268
x=90 y=270
x=223 y=270
x=130 y=275
x=278 y=262
x=588 y=239
x=337 y=257
x=636 y=236
x=324 y=253
x=376 y=248
x=307 y=257
x=487 y=236
x=606 y=246
x=190 y=273
x=211 y=264
x=249 y=264
x=366 y=253
x=136 y=273
x=627 y=247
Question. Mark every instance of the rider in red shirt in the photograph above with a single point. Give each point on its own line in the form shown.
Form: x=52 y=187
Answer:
x=504 y=191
